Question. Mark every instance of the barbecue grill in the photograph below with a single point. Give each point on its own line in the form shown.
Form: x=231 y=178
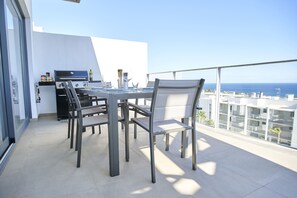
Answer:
x=79 y=80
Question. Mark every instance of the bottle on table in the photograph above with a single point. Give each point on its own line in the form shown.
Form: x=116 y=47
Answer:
x=120 y=78
x=125 y=80
x=90 y=75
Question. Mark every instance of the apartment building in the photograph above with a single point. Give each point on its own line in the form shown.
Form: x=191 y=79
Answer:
x=256 y=117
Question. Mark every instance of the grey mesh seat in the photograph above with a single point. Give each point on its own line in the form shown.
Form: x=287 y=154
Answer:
x=172 y=101
x=82 y=121
x=98 y=109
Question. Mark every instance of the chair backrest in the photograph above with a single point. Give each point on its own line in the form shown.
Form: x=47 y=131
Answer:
x=175 y=99
x=73 y=94
x=68 y=94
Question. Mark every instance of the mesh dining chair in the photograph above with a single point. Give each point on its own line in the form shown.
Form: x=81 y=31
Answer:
x=172 y=101
x=93 y=110
x=82 y=121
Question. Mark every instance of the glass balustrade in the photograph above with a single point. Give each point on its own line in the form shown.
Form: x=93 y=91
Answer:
x=256 y=100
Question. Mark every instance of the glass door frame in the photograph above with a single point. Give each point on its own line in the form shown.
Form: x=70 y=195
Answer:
x=16 y=11
x=5 y=144
x=8 y=114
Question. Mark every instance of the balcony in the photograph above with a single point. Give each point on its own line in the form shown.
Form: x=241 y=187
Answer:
x=229 y=165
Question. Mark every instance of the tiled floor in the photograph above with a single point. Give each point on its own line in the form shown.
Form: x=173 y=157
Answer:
x=229 y=165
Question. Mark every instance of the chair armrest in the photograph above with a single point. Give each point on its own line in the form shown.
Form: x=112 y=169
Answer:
x=89 y=107
x=199 y=108
x=84 y=101
x=139 y=109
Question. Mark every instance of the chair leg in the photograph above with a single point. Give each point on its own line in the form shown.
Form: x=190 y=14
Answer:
x=127 y=145
x=135 y=127
x=99 y=129
x=122 y=113
x=126 y=122
x=184 y=140
x=69 y=120
x=194 y=160
x=76 y=139
x=72 y=130
x=93 y=130
x=135 y=131
x=167 y=142
x=79 y=146
x=152 y=155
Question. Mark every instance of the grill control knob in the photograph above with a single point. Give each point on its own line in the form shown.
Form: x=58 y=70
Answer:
x=76 y=85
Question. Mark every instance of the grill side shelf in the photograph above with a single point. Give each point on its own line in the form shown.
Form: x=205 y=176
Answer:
x=46 y=83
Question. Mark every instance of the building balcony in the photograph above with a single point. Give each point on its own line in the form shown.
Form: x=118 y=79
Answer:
x=282 y=122
x=229 y=165
x=258 y=118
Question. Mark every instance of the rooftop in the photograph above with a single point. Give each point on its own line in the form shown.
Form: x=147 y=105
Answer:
x=229 y=165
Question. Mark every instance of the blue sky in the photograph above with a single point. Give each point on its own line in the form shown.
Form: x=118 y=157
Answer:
x=189 y=34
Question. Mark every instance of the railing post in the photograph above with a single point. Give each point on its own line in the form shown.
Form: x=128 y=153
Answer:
x=147 y=78
x=217 y=101
x=245 y=130
x=228 y=115
x=174 y=75
x=267 y=124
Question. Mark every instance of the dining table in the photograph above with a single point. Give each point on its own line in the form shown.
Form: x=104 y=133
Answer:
x=113 y=96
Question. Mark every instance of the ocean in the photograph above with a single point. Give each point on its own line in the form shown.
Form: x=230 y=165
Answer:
x=268 y=89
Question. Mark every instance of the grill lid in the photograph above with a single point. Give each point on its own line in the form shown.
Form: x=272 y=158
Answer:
x=65 y=75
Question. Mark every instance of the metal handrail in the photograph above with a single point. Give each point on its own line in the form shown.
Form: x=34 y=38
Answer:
x=227 y=66
x=218 y=77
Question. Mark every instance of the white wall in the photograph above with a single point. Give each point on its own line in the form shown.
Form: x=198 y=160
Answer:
x=119 y=54
x=48 y=100
x=62 y=52
x=26 y=6
x=103 y=56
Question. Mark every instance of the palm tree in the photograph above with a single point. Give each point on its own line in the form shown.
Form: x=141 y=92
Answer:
x=201 y=115
x=277 y=131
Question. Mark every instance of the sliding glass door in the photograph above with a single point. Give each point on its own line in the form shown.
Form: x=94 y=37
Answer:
x=14 y=102
x=4 y=139
x=16 y=51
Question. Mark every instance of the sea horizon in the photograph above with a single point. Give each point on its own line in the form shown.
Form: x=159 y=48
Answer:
x=268 y=89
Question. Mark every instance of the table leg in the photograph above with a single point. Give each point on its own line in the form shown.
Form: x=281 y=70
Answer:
x=113 y=138
x=126 y=118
